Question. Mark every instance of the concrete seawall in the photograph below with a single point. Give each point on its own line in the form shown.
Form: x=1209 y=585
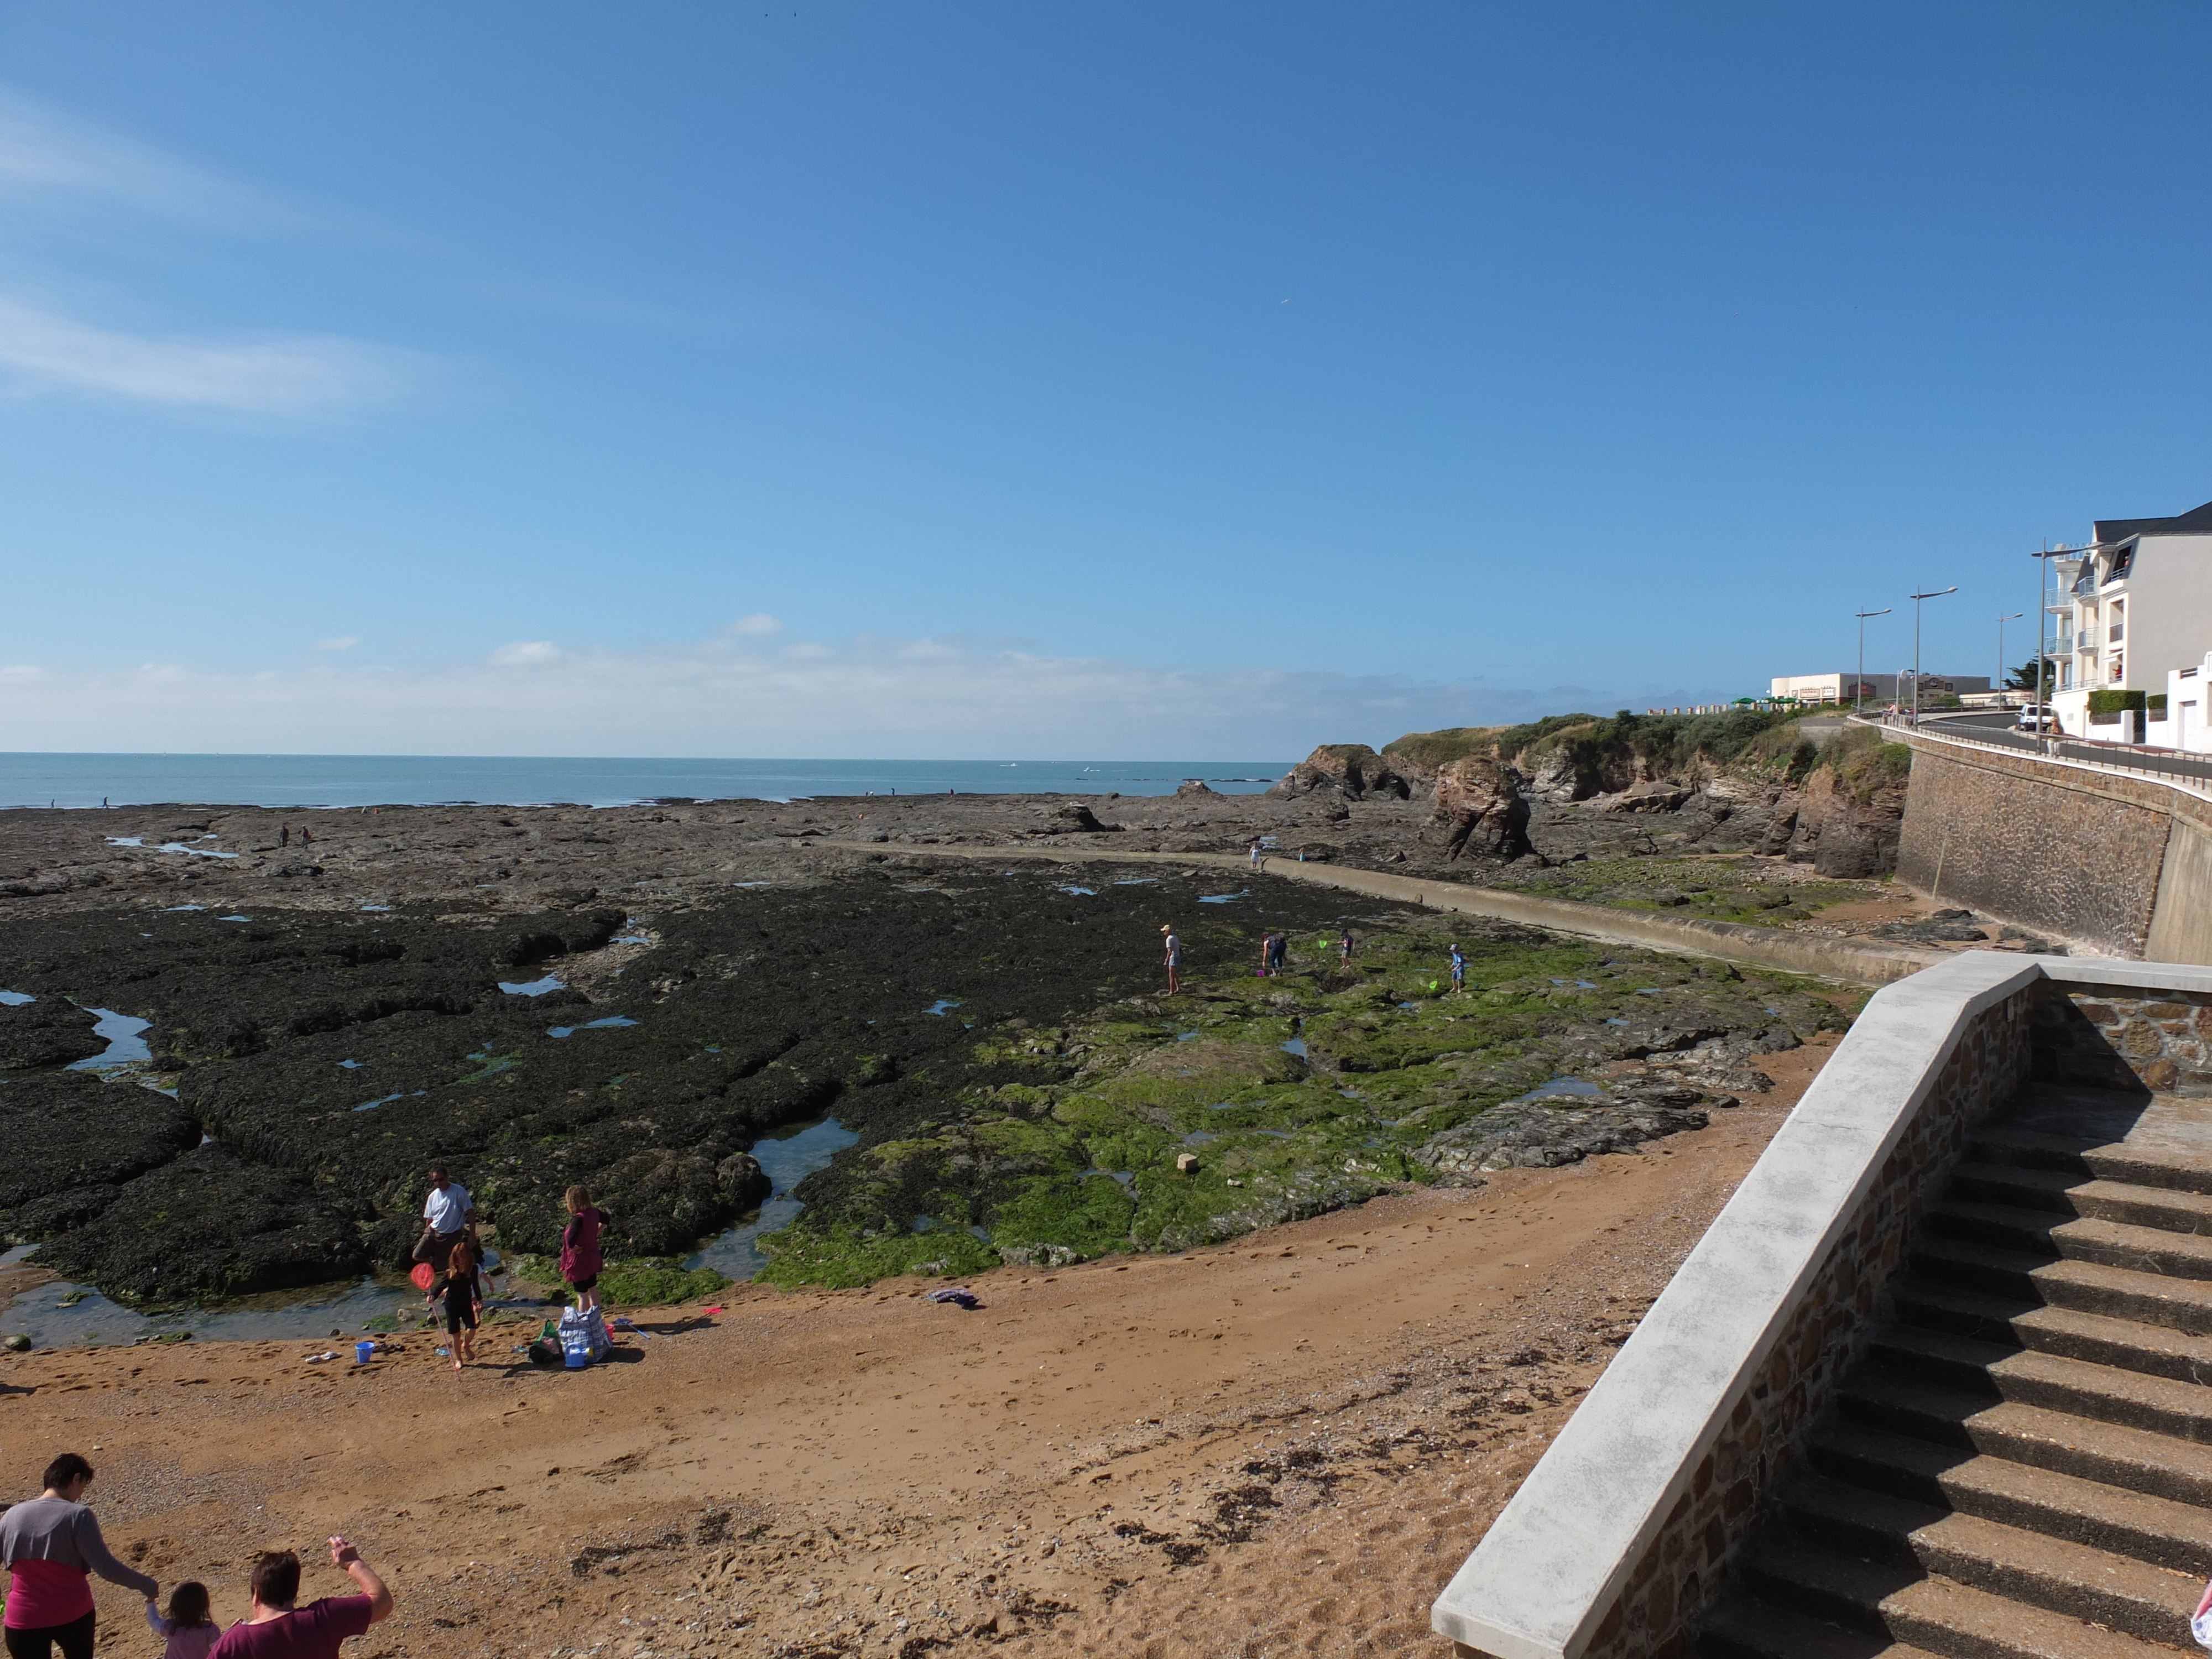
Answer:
x=2120 y=864
x=1860 y=962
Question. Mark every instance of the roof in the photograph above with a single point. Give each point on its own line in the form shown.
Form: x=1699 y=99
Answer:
x=2198 y=521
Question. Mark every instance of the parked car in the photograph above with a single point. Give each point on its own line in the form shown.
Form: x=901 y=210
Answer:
x=2037 y=717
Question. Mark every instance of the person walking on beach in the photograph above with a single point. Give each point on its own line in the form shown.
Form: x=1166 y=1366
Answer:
x=580 y=1261
x=278 y=1630
x=1458 y=969
x=449 y=1216
x=464 y=1298
x=1279 y=952
x=1172 y=948
x=1255 y=855
x=188 y=1628
x=283 y=835
x=52 y=1547
x=1267 y=954
x=1344 y=947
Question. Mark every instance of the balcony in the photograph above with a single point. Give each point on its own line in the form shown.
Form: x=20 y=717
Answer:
x=2116 y=632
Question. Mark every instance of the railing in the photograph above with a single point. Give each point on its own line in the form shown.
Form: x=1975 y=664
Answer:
x=2118 y=631
x=2165 y=764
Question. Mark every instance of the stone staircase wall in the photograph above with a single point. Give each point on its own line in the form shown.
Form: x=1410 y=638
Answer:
x=1621 y=1536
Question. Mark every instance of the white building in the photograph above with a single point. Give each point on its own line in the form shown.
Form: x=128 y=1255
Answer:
x=1882 y=689
x=2135 y=614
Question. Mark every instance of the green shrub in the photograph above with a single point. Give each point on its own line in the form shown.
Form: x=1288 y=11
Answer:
x=2115 y=701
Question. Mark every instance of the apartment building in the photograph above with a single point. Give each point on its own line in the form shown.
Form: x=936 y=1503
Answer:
x=2135 y=614
x=1883 y=688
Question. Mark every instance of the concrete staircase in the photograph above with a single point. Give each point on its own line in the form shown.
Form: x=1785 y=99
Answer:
x=2021 y=1465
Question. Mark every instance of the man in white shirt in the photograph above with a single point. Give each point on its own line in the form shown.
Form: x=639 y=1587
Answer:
x=449 y=1215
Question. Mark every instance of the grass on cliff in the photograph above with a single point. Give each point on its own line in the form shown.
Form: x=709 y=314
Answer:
x=1665 y=743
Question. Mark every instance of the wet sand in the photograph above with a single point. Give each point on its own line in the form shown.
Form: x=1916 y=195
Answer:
x=1283 y=1445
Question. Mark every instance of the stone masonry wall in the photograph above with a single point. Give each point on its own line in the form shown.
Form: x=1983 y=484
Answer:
x=2070 y=853
x=1655 y=1616
x=2084 y=1034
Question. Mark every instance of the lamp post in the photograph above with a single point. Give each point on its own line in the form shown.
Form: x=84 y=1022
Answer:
x=1934 y=593
x=1859 y=688
x=1999 y=683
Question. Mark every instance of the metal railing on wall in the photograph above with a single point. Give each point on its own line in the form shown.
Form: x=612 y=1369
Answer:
x=2182 y=770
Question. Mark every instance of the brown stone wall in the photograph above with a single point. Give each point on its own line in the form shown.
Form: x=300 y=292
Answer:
x=2068 y=852
x=1657 y=1614
x=2084 y=1034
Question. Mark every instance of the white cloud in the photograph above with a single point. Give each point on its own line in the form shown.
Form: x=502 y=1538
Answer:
x=44 y=153
x=872 y=698
x=342 y=642
x=524 y=653
x=293 y=375
x=755 y=625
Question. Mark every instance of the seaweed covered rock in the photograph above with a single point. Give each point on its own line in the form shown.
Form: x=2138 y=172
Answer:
x=1479 y=811
x=46 y=1032
x=1542 y=1135
x=1352 y=770
x=207 y=1224
x=71 y=1140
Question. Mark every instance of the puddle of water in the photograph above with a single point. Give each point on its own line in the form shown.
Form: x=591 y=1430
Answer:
x=1648 y=991
x=376 y=906
x=351 y=1065
x=371 y=1105
x=1133 y=881
x=787 y=1157
x=1199 y=1138
x=1087 y=892
x=234 y=918
x=610 y=1021
x=171 y=847
x=126 y=1045
x=1185 y=1037
x=942 y=1006
x=536 y=988
x=1223 y=898
x=752 y=884
x=15 y=999
x=1566 y=1088
x=173 y=908
x=1296 y=1046
x=1616 y=1021
x=631 y=939
x=1280 y=1134
x=91 y=1318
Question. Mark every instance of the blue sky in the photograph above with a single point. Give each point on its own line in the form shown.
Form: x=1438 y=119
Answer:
x=964 y=380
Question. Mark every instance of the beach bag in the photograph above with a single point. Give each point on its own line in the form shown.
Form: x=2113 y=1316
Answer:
x=575 y=1347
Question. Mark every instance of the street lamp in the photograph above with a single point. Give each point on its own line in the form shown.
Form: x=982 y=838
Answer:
x=1858 y=690
x=1936 y=593
x=1999 y=683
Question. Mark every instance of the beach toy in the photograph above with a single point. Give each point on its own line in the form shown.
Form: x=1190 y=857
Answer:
x=363 y=1352
x=424 y=1273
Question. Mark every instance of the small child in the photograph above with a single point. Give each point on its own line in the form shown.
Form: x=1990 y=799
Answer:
x=463 y=1296
x=190 y=1632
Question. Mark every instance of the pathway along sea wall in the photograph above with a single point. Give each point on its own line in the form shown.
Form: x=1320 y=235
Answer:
x=2121 y=865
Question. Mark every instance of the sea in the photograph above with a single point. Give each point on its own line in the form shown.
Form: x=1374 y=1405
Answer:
x=65 y=779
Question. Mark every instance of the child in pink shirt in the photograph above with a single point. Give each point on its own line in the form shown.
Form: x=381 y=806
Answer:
x=189 y=1631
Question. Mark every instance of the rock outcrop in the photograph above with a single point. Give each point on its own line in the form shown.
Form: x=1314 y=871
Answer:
x=1479 y=812
x=1836 y=832
x=1542 y=1134
x=1351 y=770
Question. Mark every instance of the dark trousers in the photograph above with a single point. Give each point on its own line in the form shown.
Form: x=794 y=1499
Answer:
x=74 y=1639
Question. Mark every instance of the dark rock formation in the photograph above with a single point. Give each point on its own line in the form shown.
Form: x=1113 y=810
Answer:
x=1075 y=818
x=1479 y=811
x=1351 y=770
x=1840 y=834
x=46 y=1032
x=72 y=1139
x=1190 y=787
x=1543 y=1134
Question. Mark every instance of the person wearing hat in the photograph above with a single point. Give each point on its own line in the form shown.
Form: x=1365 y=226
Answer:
x=1173 y=947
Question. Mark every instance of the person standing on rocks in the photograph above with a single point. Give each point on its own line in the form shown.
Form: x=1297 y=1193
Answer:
x=52 y=1547
x=449 y=1217
x=1172 y=949
x=1279 y=952
x=1458 y=969
x=1255 y=855
x=283 y=835
x=580 y=1261
x=278 y=1630
x=1343 y=948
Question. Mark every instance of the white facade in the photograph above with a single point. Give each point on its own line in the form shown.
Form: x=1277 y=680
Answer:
x=2186 y=693
x=1873 y=688
x=2135 y=614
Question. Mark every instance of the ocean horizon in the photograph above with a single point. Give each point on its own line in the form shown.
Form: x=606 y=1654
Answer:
x=59 y=780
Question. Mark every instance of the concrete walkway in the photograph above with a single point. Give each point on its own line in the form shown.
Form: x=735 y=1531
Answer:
x=1858 y=961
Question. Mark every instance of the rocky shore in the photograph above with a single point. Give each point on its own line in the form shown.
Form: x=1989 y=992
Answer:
x=631 y=998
